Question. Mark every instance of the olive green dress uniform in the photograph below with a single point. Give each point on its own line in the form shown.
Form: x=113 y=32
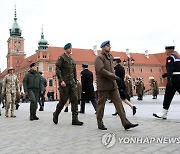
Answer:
x=107 y=86
x=66 y=71
x=32 y=84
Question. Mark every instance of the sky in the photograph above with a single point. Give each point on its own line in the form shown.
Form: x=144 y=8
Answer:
x=138 y=25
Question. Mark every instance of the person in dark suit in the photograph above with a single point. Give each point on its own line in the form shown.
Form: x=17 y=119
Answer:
x=87 y=88
x=120 y=72
x=173 y=80
x=42 y=95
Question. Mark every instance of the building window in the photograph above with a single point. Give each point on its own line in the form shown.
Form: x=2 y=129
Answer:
x=127 y=69
x=160 y=70
x=50 y=82
x=50 y=68
x=141 y=70
x=151 y=70
x=17 y=61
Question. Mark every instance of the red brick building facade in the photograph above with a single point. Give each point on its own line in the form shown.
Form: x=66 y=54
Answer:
x=145 y=65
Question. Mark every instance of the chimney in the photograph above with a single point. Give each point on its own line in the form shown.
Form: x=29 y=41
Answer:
x=146 y=54
x=95 y=50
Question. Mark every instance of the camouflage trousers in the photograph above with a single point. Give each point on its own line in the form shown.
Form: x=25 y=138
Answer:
x=10 y=101
x=68 y=92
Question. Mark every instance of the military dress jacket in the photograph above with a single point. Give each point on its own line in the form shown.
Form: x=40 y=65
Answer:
x=10 y=84
x=66 y=69
x=106 y=78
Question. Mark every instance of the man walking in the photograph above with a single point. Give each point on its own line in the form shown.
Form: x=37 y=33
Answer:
x=32 y=84
x=107 y=86
x=87 y=88
x=42 y=95
x=173 y=80
x=67 y=76
x=11 y=88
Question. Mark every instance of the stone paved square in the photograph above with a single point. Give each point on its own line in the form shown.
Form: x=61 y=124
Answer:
x=21 y=136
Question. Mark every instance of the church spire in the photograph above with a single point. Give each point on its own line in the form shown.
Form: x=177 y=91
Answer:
x=43 y=43
x=15 y=30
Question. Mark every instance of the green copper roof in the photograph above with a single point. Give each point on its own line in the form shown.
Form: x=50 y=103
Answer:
x=15 y=30
x=42 y=41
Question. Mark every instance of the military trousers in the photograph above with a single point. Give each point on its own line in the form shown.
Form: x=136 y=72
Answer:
x=170 y=91
x=10 y=101
x=68 y=92
x=83 y=102
x=34 y=97
x=115 y=97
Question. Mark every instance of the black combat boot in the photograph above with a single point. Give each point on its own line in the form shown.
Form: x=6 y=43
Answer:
x=75 y=121
x=35 y=117
x=31 y=117
x=55 y=118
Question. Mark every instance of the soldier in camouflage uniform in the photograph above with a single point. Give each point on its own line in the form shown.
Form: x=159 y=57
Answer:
x=154 y=87
x=66 y=73
x=11 y=88
x=32 y=84
x=139 y=88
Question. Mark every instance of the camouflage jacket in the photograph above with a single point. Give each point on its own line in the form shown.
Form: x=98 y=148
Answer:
x=66 y=69
x=10 y=84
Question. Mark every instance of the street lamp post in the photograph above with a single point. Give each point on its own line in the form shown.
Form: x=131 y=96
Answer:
x=128 y=61
x=54 y=77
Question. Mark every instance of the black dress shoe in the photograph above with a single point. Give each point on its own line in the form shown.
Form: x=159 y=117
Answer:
x=128 y=126
x=77 y=122
x=114 y=114
x=81 y=112
x=134 y=110
x=102 y=127
x=55 y=118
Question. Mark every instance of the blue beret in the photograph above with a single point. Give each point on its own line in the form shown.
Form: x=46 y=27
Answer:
x=170 y=47
x=67 y=46
x=85 y=65
x=105 y=43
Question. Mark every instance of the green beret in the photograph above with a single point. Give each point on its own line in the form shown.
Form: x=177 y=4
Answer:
x=67 y=46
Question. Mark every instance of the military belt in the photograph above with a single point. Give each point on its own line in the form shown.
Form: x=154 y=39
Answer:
x=176 y=73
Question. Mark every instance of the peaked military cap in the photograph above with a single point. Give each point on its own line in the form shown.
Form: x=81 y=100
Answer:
x=85 y=65
x=170 y=47
x=67 y=46
x=117 y=59
x=33 y=64
x=105 y=43
x=10 y=68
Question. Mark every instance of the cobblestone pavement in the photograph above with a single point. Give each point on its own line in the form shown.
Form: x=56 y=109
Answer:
x=20 y=135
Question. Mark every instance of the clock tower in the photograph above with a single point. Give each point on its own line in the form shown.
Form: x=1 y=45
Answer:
x=15 y=45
